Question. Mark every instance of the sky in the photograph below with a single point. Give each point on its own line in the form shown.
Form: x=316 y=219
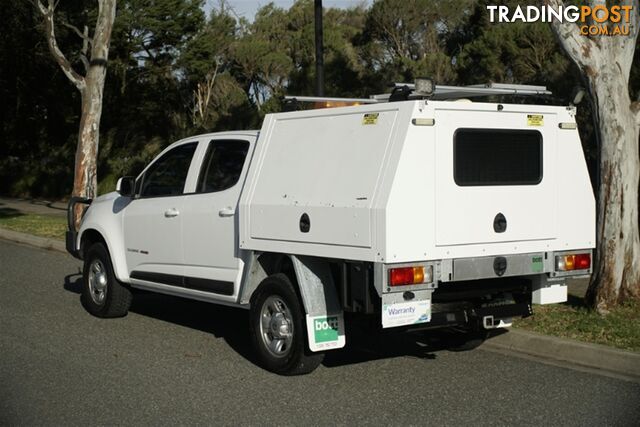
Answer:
x=248 y=8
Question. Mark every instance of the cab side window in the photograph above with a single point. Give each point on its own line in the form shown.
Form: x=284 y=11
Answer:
x=167 y=175
x=222 y=165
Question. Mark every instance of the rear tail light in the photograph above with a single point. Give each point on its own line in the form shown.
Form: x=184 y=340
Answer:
x=573 y=262
x=410 y=275
x=582 y=261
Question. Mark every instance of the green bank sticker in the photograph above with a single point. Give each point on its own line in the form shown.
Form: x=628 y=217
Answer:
x=536 y=264
x=325 y=329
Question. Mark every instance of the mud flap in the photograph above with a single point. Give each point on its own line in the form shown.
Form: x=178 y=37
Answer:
x=326 y=332
x=325 y=320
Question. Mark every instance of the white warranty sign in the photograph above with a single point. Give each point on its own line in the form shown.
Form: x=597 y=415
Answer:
x=406 y=313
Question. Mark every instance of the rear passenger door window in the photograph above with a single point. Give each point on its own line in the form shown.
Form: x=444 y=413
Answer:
x=222 y=165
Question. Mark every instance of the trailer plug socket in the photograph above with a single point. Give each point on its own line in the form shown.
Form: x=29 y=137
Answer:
x=408 y=295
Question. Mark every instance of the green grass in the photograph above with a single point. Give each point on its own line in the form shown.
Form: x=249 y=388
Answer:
x=39 y=225
x=620 y=328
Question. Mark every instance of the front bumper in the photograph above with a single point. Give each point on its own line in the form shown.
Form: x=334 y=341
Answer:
x=71 y=235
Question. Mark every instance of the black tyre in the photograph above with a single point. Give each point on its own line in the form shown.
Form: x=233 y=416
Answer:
x=278 y=329
x=102 y=294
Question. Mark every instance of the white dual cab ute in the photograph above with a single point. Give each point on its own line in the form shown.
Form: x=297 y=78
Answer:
x=416 y=214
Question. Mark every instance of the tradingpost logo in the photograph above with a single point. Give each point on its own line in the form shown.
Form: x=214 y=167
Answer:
x=325 y=329
x=597 y=20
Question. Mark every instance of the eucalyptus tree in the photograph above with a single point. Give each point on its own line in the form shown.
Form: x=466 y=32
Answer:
x=605 y=63
x=94 y=55
x=405 y=39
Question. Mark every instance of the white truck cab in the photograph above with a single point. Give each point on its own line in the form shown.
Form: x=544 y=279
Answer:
x=418 y=214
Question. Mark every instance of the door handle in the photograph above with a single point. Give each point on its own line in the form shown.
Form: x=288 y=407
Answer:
x=170 y=213
x=227 y=212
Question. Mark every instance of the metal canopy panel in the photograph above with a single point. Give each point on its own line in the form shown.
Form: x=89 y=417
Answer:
x=322 y=169
x=467 y=212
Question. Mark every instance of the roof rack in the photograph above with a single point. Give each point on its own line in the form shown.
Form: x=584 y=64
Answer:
x=329 y=99
x=441 y=92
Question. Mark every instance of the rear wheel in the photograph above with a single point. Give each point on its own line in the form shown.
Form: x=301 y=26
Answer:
x=102 y=294
x=278 y=329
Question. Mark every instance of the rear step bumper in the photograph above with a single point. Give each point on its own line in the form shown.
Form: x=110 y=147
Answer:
x=514 y=265
x=500 y=266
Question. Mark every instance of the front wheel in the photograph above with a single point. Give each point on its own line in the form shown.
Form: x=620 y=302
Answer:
x=278 y=328
x=102 y=294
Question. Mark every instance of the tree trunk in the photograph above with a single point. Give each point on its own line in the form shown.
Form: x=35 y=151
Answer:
x=91 y=87
x=85 y=183
x=605 y=63
x=617 y=265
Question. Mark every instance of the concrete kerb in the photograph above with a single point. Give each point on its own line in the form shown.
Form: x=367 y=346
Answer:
x=591 y=356
x=29 y=239
x=620 y=363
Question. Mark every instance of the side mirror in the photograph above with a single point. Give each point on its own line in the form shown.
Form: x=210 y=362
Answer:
x=125 y=186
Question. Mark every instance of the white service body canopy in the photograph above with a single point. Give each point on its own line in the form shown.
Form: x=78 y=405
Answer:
x=378 y=188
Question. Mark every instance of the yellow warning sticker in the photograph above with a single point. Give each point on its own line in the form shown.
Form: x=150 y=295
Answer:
x=535 y=120
x=370 y=119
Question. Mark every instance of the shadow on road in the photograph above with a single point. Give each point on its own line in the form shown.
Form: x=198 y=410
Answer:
x=73 y=283
x=9 y=212
x=232 y=325
x=365 y=346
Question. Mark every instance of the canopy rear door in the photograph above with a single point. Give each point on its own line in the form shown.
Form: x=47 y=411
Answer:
x=496 y=179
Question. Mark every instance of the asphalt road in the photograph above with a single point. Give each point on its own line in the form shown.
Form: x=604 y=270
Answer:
x=175 y=361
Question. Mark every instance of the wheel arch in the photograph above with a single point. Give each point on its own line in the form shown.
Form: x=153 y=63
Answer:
x=312 y=279
x=258 y=267
x=88 y=238
x=91 y=235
